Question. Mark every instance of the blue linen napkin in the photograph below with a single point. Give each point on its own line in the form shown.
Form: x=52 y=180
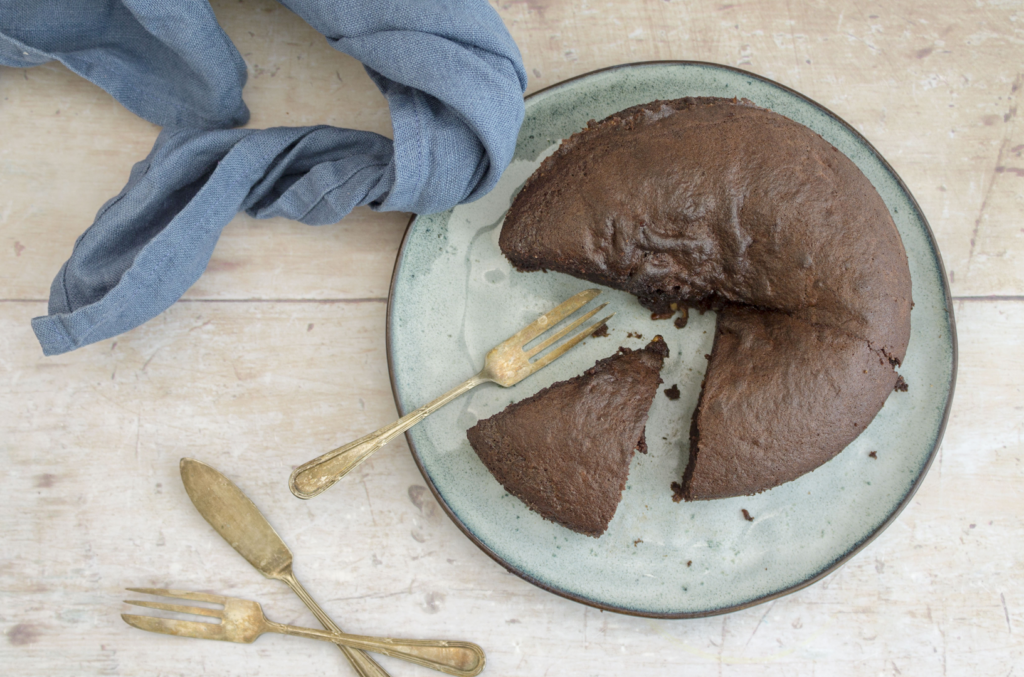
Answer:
x=451 y=73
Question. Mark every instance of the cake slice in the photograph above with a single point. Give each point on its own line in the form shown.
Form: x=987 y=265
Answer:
x=801 y=392
x=565 y=452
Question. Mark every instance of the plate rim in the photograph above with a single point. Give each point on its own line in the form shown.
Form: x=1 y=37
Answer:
x=838 y=561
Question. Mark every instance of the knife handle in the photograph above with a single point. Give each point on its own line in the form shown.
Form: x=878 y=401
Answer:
x=363 y=664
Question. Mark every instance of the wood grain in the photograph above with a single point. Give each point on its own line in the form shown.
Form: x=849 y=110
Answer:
x=277 y=353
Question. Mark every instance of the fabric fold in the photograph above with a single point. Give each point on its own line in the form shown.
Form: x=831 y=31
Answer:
x=452 y=76
x=167 y=62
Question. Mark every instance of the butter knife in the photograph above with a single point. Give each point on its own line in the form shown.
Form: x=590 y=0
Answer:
x=241 y=524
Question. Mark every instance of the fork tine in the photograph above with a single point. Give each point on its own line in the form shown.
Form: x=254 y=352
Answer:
x=180 y=608
x=563 y=332
x=552 y=317
x=182 y=594
x=171 y=626
x=545 y=360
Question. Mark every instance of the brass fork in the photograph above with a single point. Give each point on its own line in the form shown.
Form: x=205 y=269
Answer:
x=506 y=364
x=242 y=621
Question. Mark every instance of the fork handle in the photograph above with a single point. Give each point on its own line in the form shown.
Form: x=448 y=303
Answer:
x=463 y=659
x=312 y=478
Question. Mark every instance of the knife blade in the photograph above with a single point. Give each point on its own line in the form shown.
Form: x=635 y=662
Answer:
x=235 y=518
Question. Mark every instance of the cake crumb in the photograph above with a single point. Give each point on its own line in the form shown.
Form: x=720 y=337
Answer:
x=707 y=356
x=689 y=562
x=637 y=542
x=873 y=454
x=662 y=316
x=901 y=385
x=684 y=317
x=601 y=331
x=746 y=515
x=677 y=492
x=673 y=392
x=636 y=335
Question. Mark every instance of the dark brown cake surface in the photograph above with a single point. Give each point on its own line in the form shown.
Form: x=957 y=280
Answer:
x=566 y=450
x=716 y=203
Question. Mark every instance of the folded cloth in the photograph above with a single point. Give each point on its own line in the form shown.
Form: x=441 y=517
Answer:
x=451 y=73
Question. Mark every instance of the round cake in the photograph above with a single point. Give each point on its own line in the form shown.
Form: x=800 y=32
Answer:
x=719 y=204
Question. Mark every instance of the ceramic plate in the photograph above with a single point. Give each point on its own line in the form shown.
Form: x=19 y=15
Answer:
x=454 y=296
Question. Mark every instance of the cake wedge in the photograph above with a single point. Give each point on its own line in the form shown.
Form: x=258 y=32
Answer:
x=565 y=451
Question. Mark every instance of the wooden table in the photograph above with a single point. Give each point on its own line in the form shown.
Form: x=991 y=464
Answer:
x=278 y=353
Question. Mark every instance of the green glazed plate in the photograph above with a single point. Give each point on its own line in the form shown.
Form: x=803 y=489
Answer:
x=454 y=296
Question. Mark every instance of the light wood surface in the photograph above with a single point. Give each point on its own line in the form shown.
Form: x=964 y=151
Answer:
x=277 y=354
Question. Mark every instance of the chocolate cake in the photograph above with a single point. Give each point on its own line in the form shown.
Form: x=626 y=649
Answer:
x=718 y=204
x=565 y=452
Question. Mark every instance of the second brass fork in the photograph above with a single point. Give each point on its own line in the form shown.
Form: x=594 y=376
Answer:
x=243 y=621
x=506 y=364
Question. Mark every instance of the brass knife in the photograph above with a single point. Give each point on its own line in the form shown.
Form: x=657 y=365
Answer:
x=241 y=524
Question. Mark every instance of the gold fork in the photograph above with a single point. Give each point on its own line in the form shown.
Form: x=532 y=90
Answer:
x=507 y=364
x=242 y=621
